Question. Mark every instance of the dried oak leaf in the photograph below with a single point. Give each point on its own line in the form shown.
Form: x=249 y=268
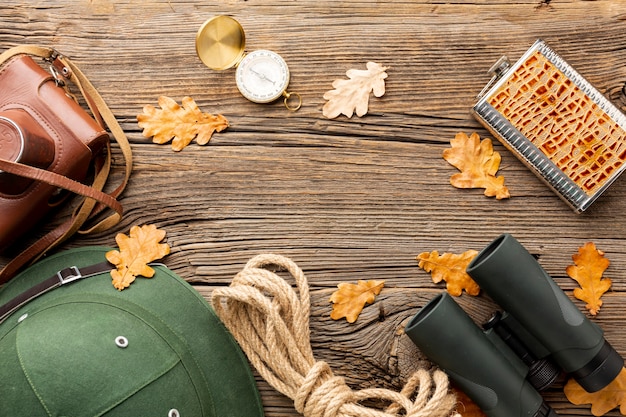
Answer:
x=180 y=124
x=349 y=300
x=603 y=401
x=450 y=268
x=353 y=94
x=135 y=252
x=589 y=265
x=478 y=163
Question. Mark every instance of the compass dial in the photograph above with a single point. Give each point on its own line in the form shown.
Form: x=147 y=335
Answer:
x=262 y=76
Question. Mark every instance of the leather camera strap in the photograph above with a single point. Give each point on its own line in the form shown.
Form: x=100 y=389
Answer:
x=95 y=203
x=61 y=181
x=63 y=277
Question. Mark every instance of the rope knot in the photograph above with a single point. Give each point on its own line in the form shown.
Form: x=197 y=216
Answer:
x=322 y=394
x=270 y=321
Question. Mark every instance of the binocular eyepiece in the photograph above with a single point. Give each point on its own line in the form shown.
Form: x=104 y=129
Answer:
x=522 y=350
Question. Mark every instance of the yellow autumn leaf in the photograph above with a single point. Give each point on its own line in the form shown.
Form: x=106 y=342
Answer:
x=589 y=265
x=180 y=124
x=450 y=268
x=349 y=300
x=352 y=95
x=603 y=401
x=141 y=247
x=478 y=163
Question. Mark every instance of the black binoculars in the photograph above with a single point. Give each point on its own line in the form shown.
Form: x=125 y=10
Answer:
x=518 y=352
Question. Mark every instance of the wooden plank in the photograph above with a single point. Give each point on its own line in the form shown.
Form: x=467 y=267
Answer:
x=346 y=199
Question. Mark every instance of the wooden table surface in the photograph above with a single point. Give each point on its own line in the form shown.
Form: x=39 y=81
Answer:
x=346 y=199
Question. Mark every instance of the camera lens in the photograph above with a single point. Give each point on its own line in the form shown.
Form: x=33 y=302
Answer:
x=22 y=140
x=12 y=140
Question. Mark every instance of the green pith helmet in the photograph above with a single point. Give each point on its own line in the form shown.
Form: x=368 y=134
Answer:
x=85 y=349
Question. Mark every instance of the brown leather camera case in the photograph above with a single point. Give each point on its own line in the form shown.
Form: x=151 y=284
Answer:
x=40 y=125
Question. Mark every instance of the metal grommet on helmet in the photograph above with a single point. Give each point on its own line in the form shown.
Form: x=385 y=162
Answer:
x=173 y=413
x=121 y=342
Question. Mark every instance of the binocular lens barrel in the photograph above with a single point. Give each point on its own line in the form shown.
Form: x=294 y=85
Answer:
x=449 y=337
x=516 y=281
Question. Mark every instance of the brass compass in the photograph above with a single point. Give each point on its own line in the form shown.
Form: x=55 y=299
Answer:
x=262 y=76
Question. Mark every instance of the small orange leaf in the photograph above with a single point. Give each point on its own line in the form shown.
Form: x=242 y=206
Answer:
x=589 y=265
x=451 y=268
x=603 y=401
x=135 y=252
x=352 y=95
x=180 y=124
x=349 y=300
x=478 y=163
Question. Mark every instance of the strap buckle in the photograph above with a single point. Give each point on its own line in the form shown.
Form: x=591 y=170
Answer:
x=68 y=275
x=54 y=54
x=60 y=72
x=57 y=67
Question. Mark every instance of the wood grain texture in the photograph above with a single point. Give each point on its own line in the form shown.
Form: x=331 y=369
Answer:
x=346 y=199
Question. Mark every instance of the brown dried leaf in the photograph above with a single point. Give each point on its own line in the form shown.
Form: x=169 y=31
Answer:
x=353 y=94
x=478 y=163
x=349 y=300
x=589 y=265
x=603 y=401
x=135 y=252
x=180 y=124
x=450 y=268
